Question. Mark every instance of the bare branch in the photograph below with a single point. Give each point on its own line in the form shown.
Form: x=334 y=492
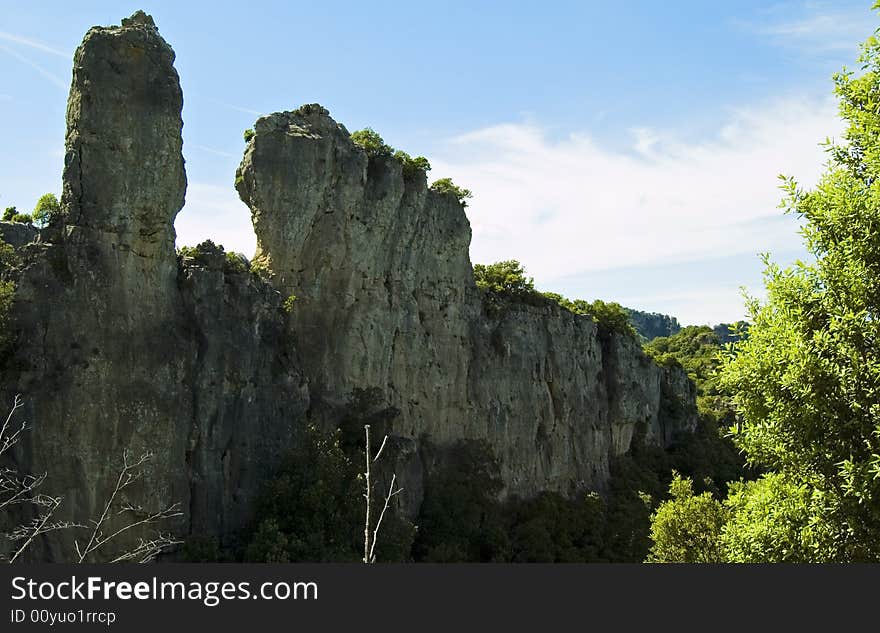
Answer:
x=381 y=448
x=391 y=492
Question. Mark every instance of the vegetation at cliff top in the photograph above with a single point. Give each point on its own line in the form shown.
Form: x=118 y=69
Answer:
x=46 y=209
x=506 y=280
x=373 y=144
x=447 y=187
x=11 y=214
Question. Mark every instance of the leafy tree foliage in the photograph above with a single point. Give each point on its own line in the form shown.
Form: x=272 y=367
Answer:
x=310 y=511
x=412 y=167
x=313 y=509
x=807 y=379
x=697 y=350
x=461 y=516
x=370 y=141
x=375 y=146
x=507 y=276
x=446 y=186
x=687 y=528
x=610 y=317
x=11 y=214
x=46 y=209
x=774 y=520
x=248 y=134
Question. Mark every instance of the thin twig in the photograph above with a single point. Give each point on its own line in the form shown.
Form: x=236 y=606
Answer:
x=391 y=493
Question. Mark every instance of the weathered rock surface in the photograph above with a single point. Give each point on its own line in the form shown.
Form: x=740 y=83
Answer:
x=385 y=297
x=121 y=348
x=122 y=345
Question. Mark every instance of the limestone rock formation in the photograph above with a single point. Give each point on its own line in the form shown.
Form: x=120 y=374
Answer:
x=385 y=297
x=120 y=346
x=123 y=345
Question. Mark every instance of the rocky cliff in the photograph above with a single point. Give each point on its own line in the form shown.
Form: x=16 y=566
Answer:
x=123 y=345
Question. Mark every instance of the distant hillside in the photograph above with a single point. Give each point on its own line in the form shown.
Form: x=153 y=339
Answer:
x=650 y=325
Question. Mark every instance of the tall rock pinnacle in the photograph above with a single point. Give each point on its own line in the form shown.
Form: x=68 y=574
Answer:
x=123 y=168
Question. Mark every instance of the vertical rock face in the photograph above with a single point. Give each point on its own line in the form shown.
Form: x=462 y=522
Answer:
x=123 y=348
x=123 y=170
x=385 y=298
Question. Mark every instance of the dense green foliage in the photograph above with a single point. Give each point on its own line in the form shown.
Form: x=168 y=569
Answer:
x=610 y=317
x=412 y=167
x=650 y=325
x=210 y=255
x=447 y=187
x=248 y=135
x=376 y=147
x=507 y=280
x=806 y=379
x=507 y=276
x=697 y=350
x=687 y=528
x=310 y=510
x=46 y=210
x=11 y=214
x=313 y=508
x=370 y=141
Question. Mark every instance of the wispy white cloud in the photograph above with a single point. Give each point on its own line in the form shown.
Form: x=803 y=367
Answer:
x=214 y=212
x=55 y=79
x=817 y=27
x=35 y=44
x=215 y=151
x=237 y=108
x=571 y=206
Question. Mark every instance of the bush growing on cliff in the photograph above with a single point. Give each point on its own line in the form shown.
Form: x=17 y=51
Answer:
x=248 y=134
x=508 y=277
x=412 y=167
x=375 y=146
x=611 y=318
x=46 y=210
x=370 y=141
x=235 y=263
x=447 y=187
x=11 y=214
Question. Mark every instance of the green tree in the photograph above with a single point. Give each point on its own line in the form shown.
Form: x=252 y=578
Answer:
x=248 y=134
x=807 y=379
x=370 y=141
x=687 y=528
x=47 y=209
x=412 y=167
x=446 y=186
x=775 y=520
x=507 y=277
x=11 y=214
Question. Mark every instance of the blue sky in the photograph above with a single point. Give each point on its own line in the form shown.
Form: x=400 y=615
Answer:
x=624 y=151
